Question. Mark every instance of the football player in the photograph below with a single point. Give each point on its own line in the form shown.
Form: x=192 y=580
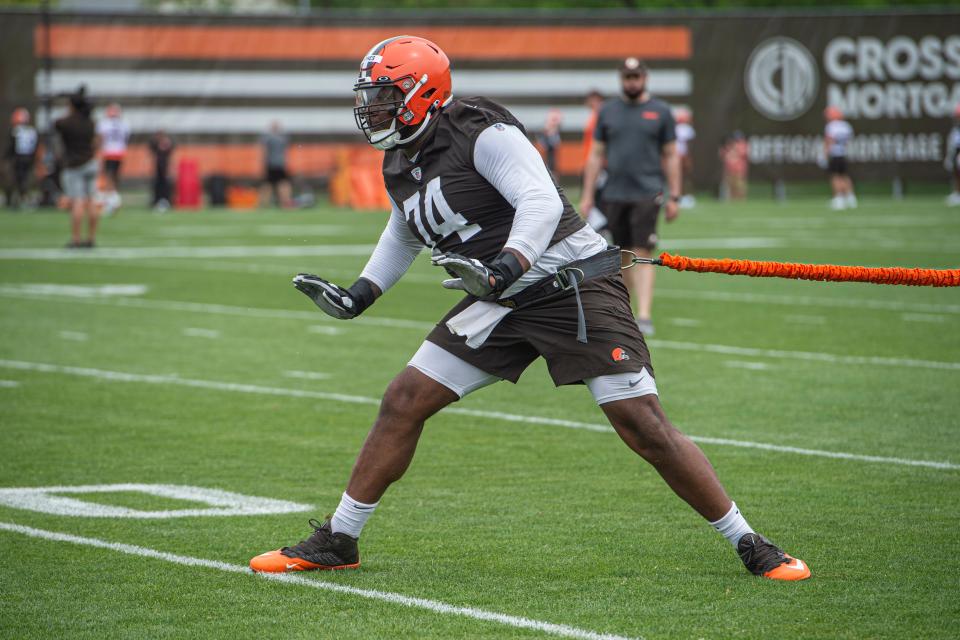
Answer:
x=21 y=155
x=114 y=134
x=466 y=182
x=837 y=135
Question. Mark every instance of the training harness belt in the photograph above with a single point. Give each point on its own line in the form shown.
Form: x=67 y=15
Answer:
x=569 y=276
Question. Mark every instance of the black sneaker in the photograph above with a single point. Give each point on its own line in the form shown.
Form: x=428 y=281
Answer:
x=763 y=558
x=324 y=550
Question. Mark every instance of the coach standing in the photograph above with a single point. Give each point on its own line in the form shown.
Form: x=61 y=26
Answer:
x=80 y=141
x=635 y=134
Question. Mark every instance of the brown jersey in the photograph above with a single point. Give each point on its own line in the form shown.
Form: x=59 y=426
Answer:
x=447 y=203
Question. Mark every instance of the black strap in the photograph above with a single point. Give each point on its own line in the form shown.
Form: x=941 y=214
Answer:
x=605 y=263
x=569 y=276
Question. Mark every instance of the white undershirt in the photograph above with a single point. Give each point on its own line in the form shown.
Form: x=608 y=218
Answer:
x=507 y=160
x=839 y=133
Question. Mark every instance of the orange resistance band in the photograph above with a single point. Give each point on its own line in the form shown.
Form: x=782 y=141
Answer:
x=823 y=272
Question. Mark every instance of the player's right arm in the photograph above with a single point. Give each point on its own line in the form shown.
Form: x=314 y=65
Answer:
x=590 y=174
x=393 y=255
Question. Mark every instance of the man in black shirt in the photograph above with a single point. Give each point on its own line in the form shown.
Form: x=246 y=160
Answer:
x=465 y=181
x=635 y=135
x=21 y=154
x=79 y=176
x=161 y=146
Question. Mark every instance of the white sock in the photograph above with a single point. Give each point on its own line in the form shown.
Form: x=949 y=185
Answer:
x=350 y=516
x=732 y=526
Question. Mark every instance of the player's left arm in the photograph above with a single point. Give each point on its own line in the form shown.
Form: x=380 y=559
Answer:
x=670 y=164
x=511 y=164
x=670 y=161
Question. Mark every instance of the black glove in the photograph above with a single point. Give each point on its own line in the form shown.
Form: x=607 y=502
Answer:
x=478 y=278
x=336 y=301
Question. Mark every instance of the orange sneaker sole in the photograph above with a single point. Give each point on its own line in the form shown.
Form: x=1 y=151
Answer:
x=796 y=569
x=276 y=562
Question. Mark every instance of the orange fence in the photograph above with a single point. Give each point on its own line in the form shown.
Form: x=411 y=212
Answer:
x=120 y=41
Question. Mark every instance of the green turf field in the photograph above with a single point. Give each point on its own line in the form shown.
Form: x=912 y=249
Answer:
x=178 y=353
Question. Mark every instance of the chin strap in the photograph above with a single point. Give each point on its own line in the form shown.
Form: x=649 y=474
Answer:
x=435 y=107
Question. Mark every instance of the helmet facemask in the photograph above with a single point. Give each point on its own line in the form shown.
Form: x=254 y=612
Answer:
x=382 y=111
x=377 y=112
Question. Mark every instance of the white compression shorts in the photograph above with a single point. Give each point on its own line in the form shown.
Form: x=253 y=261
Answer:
x=463 y=378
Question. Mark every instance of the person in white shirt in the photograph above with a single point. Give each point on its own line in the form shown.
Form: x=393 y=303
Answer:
x=114 y=133
x=685 y=135
x=951 y=160
x=836 y=137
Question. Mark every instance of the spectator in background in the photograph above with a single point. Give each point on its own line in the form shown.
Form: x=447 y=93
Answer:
x=549 y=139
x=685 y=135
x=80 y=141
x=951 y=161
x=114 y=134
x=21 y=156
x=275 y=144
x=636 y=137
x=593 y=102
x=735 y=158
x=161 y=146
x=836 y=136
x=595 y=217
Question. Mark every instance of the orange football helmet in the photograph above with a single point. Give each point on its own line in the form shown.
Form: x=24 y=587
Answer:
x=403 y=82
x=832 y=113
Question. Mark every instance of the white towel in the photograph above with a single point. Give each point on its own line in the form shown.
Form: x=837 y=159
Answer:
x=477 y=321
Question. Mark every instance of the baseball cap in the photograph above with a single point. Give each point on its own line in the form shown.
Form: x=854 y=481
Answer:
x=633 y=65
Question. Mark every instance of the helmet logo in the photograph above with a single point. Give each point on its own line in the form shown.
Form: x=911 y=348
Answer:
x=619 y=354
x=369 y=61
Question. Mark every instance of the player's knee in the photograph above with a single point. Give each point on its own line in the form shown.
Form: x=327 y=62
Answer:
x=648 y=428
x=405 y=398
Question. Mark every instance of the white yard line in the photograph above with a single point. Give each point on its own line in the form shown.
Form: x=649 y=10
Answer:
x=746 y=364
x=809 y=301
x=809 y=356
x=325 y=330
x=684 y=322
x=197 y=332
x=923 y=317
x=9 y=384
x=120 y=376
x=76 y=336
x=75 y=290
x=435 y=606
x=139 y=253
x=307 y=375
x=797 y=318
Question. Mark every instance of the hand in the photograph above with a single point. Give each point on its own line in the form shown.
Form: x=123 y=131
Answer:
x=334 y=300
x=477 y=278
x=586 y=205
x=671 y=210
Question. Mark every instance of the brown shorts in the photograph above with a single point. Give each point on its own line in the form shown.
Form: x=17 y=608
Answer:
x=634 y=223
x=549 y=329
